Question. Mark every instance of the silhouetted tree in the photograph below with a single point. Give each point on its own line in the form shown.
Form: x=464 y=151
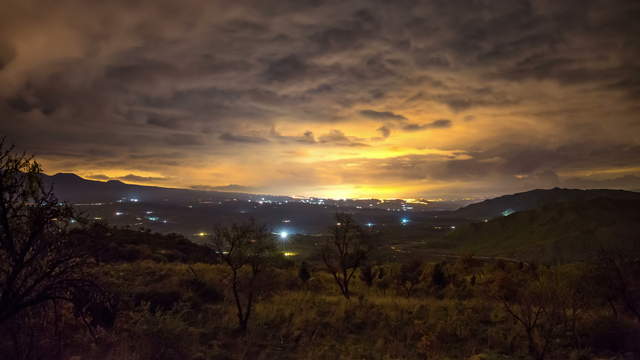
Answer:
x=345 y=250
x=40 y=262
x=439 y=276
x=247 y=250
x=617 y=278
x=304 y=274
x=368 y=275
x=410 y=276
x=384 y=280
x=534 y=301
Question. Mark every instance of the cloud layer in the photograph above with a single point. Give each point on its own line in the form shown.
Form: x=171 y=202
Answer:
x=359 y=98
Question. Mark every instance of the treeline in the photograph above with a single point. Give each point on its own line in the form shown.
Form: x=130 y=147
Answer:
x=72 y=288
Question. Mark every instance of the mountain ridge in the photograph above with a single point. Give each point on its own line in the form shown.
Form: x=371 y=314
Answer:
x=556 y=232
x=73 y=188
x=536 y=198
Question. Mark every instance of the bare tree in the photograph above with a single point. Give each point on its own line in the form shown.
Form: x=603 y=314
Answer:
x=304 y=273
x=368 y=275
x=247 y=250
x=40 y=262
x=345 y=250
x=533 y=301
x=410 y=276
x=617 y=278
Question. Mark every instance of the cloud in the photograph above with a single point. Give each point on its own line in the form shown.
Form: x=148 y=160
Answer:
x=183 y=140
x=246 y=139
x=7 y=54
x=164 y=122
x=306 y=138
x=98 y=177
x=337 y=137
x=384 y=131
x=168 y=89
x=229 y=188
x=631 y=182
x=436 y=124
x=382 y=115
x=127 y=178
x=136 y=178
x=285 y=69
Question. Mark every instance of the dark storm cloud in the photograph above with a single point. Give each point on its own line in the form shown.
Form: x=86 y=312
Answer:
x=183 y=140
x=436 y=124
x=382 y=115
x=468 y=98
x=306 y=138
x=7 y=54
x=92 y=84
x=245 y=139
x=164 y=122
x=286 y=69
x=623 y=182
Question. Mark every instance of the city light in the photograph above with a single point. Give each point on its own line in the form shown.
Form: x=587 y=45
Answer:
x=508 y=212
x=370 y=224
x=284 y=234
x=118 y=213
x=404 y=221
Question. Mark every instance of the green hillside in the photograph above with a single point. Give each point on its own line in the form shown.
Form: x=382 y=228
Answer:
x=560 y=232
x=535 y=199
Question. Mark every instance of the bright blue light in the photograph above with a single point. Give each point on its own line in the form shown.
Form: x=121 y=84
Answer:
x=370 y=224
x=404 y=221
x=283 y=234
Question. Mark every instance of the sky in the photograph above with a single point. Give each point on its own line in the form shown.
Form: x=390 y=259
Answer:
x=432 y=99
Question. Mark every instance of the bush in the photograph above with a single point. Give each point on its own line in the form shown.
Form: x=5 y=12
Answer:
x=608 y=334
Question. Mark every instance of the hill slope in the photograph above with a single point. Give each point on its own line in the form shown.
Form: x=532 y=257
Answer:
x=74 y=189
x=536 y=198
x=562 y=232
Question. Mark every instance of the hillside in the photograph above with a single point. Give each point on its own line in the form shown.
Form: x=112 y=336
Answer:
x=536 y=198
x=74 y=189
x=561 y=232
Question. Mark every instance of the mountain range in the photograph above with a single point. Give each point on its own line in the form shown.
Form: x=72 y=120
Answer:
x=75 y=189
x=508 y=204
x=556 y=232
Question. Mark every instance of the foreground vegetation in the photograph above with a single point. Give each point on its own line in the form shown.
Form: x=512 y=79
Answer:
x=72 y=289
x=453 y=310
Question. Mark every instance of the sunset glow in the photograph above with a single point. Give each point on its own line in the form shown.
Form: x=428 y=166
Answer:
x=355 y=99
